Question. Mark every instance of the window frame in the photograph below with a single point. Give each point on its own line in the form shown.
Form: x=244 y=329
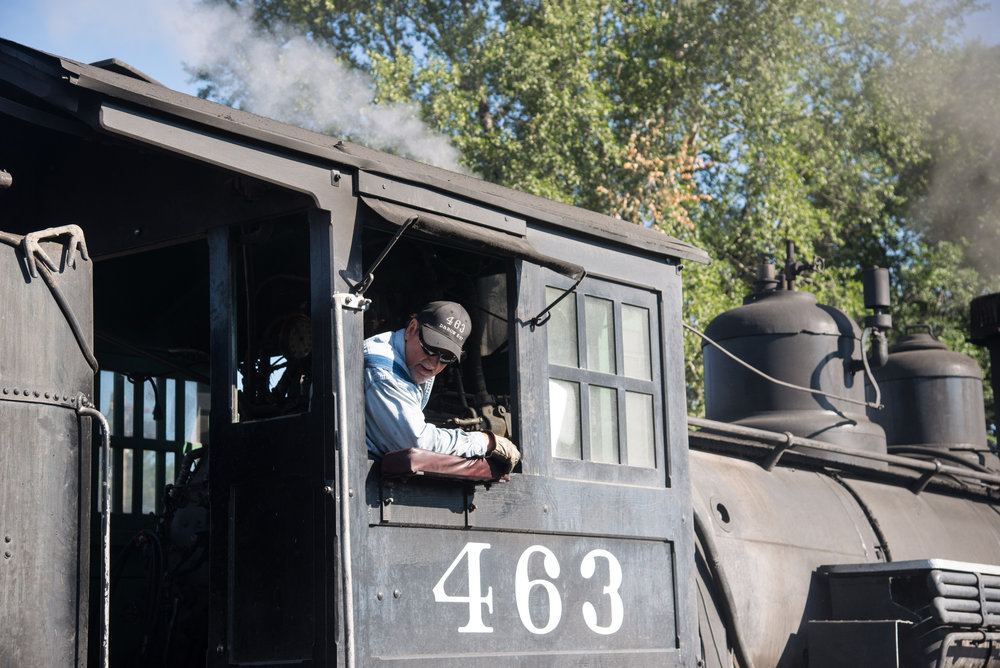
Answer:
x=618 y=294
x=144 y=462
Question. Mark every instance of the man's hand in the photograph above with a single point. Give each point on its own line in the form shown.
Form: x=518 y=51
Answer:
x=503 y=448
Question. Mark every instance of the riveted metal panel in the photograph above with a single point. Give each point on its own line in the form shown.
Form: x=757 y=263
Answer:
x=44 y=465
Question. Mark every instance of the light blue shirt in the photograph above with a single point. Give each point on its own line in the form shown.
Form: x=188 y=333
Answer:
x=394 y=405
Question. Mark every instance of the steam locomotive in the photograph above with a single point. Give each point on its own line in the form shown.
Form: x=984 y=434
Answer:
x=185 y=290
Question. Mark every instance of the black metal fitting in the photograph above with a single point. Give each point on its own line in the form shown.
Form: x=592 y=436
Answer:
x=794 y=268
x=875 y=283
x=767 y=281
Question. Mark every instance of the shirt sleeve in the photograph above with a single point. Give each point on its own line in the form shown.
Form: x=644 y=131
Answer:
x=394 y=421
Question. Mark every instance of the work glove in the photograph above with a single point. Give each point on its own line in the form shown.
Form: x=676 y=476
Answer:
x=503 y=449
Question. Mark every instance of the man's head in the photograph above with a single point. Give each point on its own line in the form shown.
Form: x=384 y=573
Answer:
x=434 y=338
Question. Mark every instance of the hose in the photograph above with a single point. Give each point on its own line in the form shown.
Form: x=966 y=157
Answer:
x=74 y=325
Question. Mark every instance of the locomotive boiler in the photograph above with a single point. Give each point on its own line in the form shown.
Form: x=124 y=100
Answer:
x=200 y=280
x=836 y=518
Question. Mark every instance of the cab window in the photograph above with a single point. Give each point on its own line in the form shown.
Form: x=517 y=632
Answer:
x=605 y=402
x=476 y=393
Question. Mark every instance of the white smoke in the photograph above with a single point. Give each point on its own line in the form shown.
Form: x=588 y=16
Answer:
x=285 y=77
x=291 y=79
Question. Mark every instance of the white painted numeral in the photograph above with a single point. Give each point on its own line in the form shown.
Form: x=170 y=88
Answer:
x=475 y=599
x=614 y=610
x=458 y=324
x=587 y=568
x=523 y=587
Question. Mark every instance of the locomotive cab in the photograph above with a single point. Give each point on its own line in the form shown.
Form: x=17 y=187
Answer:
x=231 y=258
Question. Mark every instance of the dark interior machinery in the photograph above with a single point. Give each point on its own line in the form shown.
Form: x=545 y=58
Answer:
x=161 y=574
x=836 y=506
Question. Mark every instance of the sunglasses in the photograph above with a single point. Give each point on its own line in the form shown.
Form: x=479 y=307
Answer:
x=445 y=356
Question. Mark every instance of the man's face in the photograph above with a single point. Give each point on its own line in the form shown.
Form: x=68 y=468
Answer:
x=421 y=365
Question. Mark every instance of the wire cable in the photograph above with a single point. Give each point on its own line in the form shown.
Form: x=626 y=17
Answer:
x=782 y=383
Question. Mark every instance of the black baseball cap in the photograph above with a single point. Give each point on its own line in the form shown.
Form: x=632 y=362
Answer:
x=445 y=325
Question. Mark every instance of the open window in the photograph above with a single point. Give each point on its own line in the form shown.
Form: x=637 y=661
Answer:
x=474 y=394
x=151 y=324
x=152 y=338
x=273 y=319
x=440 y=257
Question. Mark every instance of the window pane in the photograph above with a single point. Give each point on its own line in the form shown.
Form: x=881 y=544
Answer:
x=600 y=334
x=635 y=342
x=170 y=474
x=196 y=403
x=148 y=481
x=600 y=317
x=492 y=294
x=128 y=409
x=561 y=329
x=564 y=410
x=148 y=405
x=639 y=429
x=168 y=397
x=128 y=473
x=603 y=424
x=105 y=402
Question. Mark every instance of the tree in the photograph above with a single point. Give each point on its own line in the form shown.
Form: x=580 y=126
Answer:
x=732 y=124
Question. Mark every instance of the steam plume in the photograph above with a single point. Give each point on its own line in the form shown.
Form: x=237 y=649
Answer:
x=284 y=77
x=291 y=79
x=963 y=198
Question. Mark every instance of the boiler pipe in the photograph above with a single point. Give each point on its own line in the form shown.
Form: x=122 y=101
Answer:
x=973 y=636
x=355 y=302
x=984 y=326
x=785 y=439
x=83 y=407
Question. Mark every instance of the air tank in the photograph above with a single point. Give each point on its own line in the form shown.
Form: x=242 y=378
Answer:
x=984 y=328
x=44 y=459
x=933 y=399
x=788 y=336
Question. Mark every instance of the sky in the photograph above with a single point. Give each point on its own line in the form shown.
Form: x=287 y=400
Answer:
x=91 y=30
x=151 y=35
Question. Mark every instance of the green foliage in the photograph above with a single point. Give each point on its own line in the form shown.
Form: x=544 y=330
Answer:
x=858 y=129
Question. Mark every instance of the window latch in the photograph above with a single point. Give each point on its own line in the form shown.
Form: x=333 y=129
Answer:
x=545 y=314
x=366 y=282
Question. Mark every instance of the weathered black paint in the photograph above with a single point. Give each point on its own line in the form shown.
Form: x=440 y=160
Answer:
x=45 y=462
